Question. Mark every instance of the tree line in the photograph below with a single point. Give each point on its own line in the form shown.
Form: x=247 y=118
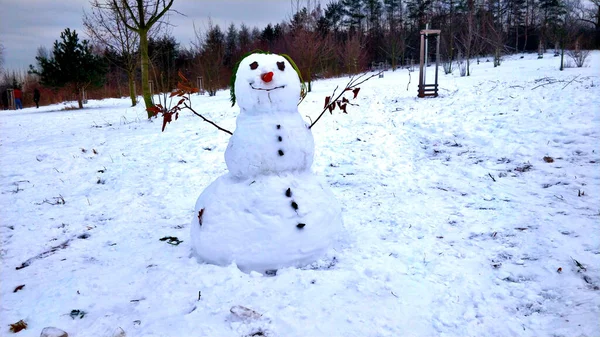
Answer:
x=131 y=42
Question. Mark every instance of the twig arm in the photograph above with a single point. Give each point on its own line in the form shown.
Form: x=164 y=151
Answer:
x=206 y=120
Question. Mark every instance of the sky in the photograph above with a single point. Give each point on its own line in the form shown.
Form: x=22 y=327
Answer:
x=26 y=25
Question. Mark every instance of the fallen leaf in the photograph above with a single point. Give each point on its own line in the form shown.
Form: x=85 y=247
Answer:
x=559 y=270
x=16 y=327
x=19 y=288
x=548 y=159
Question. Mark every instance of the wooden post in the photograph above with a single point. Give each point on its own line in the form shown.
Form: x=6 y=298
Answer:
x=151 y=85
x=199 y=84
x=421 y=80
x=424 y=88
x=437 y=62
x=11 y=99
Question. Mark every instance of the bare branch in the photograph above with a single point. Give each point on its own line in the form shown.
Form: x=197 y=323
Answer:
x=350 y=86
x=206 y=120
x=123 y=16
x=156 y=17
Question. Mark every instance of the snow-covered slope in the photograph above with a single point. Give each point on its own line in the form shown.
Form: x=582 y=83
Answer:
x=456 y=224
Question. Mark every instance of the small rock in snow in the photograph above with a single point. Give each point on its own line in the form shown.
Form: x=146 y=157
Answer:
x=53 y=332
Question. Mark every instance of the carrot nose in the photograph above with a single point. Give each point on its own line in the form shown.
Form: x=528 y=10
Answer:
x=267 y=77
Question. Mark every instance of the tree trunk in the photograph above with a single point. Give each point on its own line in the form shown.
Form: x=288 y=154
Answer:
x=309 y=80
x=562 y=55
x=145 y=65
x=80 y=97
x=130 y=77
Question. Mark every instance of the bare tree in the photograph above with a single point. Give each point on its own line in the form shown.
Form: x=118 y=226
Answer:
x=104 y=26
x=140 y=16
x=210 y=49
x=307 y=47
x=468 y=36
x=353 y=54
x=394 y=47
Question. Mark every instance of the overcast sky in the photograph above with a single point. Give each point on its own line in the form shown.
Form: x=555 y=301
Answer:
x=26 y=25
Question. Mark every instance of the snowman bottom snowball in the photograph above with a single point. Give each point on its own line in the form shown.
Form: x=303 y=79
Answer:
x=265 y=223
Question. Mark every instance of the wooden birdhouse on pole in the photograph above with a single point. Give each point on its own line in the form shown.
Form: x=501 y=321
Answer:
x=424 y=88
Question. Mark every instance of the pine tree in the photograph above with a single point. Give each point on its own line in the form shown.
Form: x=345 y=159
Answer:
x=71 y=65
x=231 y=46
x=334 y=15
x=393 y=11
x=419 y=11
x=353 y=10
x=552 y=17
x=163 y=52
x=244 y=39
x=212 y=59
x=373 y=13
x=517 y=10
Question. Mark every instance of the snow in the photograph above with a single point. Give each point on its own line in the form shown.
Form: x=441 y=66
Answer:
x=455 y=223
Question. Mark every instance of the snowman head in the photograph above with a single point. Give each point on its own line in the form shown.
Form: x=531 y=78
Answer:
x=266 y=82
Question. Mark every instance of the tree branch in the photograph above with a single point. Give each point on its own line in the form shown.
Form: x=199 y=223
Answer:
x=123 y=18
x=155 y=18
x=352 y=84
x=206 y=120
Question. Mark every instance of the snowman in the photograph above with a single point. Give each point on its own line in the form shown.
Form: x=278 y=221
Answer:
x=269 y=211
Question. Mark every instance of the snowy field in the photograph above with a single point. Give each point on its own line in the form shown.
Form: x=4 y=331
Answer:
x=476 y=213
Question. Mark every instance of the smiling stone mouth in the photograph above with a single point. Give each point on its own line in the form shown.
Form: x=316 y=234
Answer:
x=279 y=87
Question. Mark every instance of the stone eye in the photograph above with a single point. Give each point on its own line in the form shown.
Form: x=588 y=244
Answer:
x=253 y=65
x=281 y=65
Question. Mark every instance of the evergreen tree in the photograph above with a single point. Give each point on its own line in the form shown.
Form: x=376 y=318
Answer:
x=231 y=46
x=393 y=12
x=517 y=10
x=394 y=43
x=163 y=52
x=334 y=16
x=72 y=65
x=353 y=10
x=373 y=11
x=212 y=59
x=419 y=11
x=552 y=12
x=268 y=36
x=244 y=39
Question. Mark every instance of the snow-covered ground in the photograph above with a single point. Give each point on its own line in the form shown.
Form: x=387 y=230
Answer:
x=455 y=224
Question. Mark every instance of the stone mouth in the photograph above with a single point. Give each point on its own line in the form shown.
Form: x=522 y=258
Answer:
x=265 y=89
